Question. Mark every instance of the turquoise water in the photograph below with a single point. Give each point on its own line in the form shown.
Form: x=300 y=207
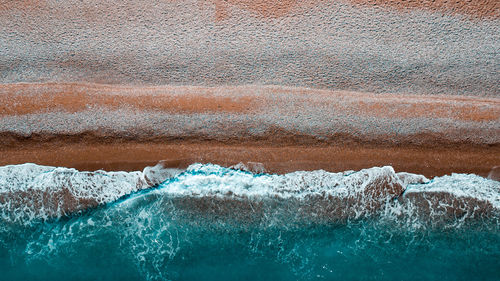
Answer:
x=214 y=223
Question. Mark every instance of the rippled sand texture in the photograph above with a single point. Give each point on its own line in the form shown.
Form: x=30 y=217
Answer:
x=432 y=47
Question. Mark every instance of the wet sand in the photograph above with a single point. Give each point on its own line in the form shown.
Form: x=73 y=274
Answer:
x=130 y=156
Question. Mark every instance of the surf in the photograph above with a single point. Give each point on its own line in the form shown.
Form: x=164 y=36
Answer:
x=226 y=223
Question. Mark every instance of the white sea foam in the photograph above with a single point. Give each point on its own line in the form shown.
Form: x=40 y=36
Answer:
x=462 y=186
x=99 y=185
x=210 y=180
x=31 y=191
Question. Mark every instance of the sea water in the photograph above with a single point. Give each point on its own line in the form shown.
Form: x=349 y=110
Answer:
x=214 y=223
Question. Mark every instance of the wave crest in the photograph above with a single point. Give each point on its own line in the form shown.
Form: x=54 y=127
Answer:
x=30 y=193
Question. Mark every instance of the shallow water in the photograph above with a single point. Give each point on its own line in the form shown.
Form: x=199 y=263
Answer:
x=213 y=223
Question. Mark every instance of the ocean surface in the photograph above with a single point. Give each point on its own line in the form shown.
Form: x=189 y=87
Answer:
x=209 y=222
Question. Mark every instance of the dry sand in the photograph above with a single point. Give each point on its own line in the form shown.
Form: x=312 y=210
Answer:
x=411 y=47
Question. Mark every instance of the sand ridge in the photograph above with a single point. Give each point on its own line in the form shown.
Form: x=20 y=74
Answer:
x=30 y=98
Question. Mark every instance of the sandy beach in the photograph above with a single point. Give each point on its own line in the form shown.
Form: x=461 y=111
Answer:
x=334 y=85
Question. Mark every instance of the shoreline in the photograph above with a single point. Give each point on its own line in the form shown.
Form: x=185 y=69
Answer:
x=131 y=156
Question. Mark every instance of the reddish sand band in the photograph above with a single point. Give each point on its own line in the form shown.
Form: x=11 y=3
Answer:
x=273 y=9
x=18 y=99
x=28 y=98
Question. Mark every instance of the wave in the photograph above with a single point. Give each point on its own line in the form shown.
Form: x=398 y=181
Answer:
x=215 y=223
x=30 y=193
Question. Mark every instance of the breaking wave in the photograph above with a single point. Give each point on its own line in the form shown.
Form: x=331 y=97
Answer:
x=229 y=223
